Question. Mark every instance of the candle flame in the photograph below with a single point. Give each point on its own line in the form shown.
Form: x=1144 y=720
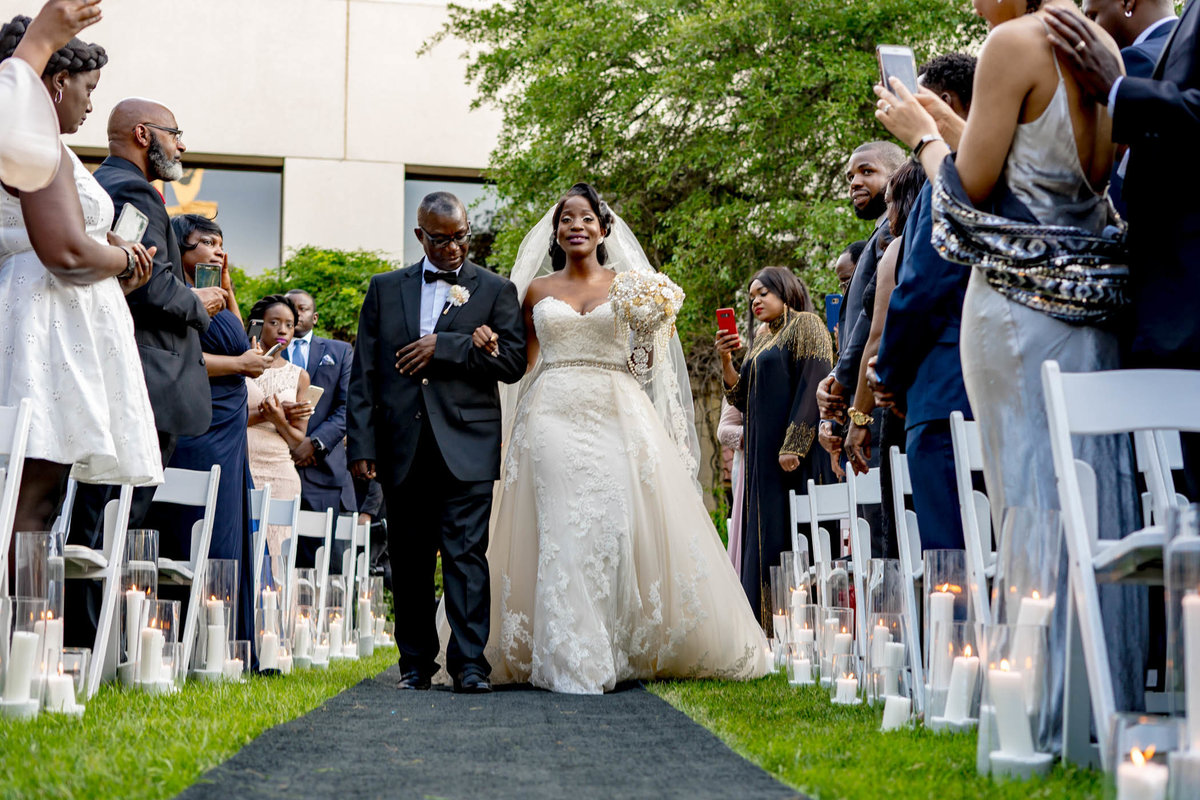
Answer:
x=950 y=587
x=1036 y=596
x=1140 y=757
x=1004 y=665
x=967 y=651
x=843 y=629
x=212 y=597
x=847 y=676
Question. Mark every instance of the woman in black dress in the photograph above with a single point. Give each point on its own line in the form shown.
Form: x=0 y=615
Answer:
x=776 y=391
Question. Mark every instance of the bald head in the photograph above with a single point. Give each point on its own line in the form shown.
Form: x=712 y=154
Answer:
x=440 y=204
x=145 y=132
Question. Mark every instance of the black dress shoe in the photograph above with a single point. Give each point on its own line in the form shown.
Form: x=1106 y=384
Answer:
x=472 y=683
x=413 y=679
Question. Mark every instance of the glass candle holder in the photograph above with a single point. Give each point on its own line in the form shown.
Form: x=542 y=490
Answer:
x=268 y=628
x=834 y=585
x=1015 y=676
x=1140 y=755
x=955 y=680
x=336 y=593
x=836 y=638
x=21 y=655
x=389 y=631
x=320 y=658
x=779 y=605
x=1027 y=571
x=885 y=587
x=238 y=663
x=945 y=575
x=66 y=691
x=301 y=634
x=173 y=671
x=216 y=631
x=350 y=645
x=139 y=568
x=304 y=583
x=41 y=570
x=887 y=657
x=845 y=686
x=335 y=626
x=364 y=609
x=802 y=663
x=160 y=621
x=804 y=624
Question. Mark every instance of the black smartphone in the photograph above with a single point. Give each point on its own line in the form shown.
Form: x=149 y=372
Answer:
x=255 y=330
x=897 y=61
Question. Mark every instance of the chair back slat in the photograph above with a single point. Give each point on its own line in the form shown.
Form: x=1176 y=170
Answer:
x=1114 y=401
x=183 y=487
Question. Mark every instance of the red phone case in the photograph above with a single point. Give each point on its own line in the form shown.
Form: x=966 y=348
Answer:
x=726 y=321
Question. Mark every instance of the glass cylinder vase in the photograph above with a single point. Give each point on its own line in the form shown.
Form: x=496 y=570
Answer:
x=1016 y=673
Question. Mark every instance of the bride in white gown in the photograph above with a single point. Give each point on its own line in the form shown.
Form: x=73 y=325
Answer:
x=605 y=564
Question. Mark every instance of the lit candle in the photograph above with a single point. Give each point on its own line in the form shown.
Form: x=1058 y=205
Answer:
x=320 y=653
x=801 y=672
x=285 y=663
x=150 y=658
x=941 y=616
x=1141 y=779
x=896 y=710
x=847 y=690
x=233 y=668
x=379 y=621
x=303 y=638
x=880 y=638
x=270 y=600
x=216 y=651
x=268 y=656
x=50 y=637
x=335 y=636
x=1035 y=612
x=133 y=617
x=1191 y=666
x=962 y=686
x=1007 y=691
x=366 y=624
x=893 y=662
x=60 y=692
x=22 y=656
x=842 y=642
x=779 y=623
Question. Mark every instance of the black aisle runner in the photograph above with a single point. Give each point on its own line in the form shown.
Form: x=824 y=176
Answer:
x=374 y=741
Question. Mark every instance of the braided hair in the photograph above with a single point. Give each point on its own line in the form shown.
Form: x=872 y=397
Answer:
x=270 y=301
x=77 y=56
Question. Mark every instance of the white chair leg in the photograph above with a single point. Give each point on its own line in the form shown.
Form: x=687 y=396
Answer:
x=1077 y=747
x=104 y=650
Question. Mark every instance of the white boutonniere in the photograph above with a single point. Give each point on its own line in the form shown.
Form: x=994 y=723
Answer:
x=458 y=296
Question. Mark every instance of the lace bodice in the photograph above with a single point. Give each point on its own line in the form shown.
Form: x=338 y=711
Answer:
x=566 y=335
x=97 y=212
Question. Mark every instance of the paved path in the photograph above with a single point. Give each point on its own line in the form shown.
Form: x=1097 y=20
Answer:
x=373 y=741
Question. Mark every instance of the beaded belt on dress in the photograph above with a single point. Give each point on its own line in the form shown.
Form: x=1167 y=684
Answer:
x=586 y=363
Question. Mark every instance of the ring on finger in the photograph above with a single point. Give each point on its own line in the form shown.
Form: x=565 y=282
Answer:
x=1080 y=46
x=887 y=107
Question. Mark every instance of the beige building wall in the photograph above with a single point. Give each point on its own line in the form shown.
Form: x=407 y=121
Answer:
x=332 y=90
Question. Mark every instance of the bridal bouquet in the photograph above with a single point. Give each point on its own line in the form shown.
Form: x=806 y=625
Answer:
x=648 y=302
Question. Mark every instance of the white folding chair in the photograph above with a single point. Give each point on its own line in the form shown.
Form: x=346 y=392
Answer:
x=975 y=512
x=801 y=515
x=104 y=565
x=311 y=525
x=861 y=490
x=346 y=530
x=1157 y=454
x=196 y=489
x=1098 y=403
x=14 y=439
x=277 y=514
x=909 y=544
x=826 y=503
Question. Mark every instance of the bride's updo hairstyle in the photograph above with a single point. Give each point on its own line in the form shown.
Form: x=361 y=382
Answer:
x=77 y=56
x=558 y=259
x=783 y=283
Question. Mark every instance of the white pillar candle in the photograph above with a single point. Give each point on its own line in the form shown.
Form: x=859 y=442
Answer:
x=847 y=690
x=379 y=622
x=1034 y=614
x=893 y=662
x=233 y=668
x=22 y=658
x=134 y=598
x=842 y=642
x=285 y=664
x=941 y=616
x=1138 y=779
x=880 y=638
x=303 y=639
x=150 y=655
x=60 y=692
x=801 y=672
x=1191 y=666
x=320 y=654
x=365 y=621
x=268 y=655
x=962 y=686
x=896 y=710
x=270 y=599
x=50 y=639
x=1007 y=692
x=780 y=626
x=216 y=650
x=335 y=637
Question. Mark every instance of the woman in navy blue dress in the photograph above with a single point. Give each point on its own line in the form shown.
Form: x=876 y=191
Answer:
x=229 y=357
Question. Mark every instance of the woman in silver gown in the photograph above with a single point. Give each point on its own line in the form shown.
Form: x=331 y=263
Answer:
x=1031 y=144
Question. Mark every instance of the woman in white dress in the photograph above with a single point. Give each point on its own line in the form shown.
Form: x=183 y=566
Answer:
x=65 y=331
x=605 y=563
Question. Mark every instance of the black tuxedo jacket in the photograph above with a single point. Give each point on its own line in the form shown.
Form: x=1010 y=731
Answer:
x=1159 y=118
x=327 y=483
x=168 y=318
x=456 y=394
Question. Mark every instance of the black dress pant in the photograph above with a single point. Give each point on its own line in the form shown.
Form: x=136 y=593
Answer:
x=432 y=511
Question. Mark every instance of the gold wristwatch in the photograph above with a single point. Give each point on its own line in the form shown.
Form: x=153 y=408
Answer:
x=859 y=418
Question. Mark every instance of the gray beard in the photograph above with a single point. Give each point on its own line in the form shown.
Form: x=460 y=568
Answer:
x=163 y=168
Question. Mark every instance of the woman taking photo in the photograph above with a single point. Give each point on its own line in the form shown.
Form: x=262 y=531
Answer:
x=1034 y=153
x=776 y=391
x=271 y=435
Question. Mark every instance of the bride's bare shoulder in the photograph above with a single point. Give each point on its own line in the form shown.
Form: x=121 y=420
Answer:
x=541 y=288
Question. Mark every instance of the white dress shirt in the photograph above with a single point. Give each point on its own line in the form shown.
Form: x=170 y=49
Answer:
x=433 y=298
x=299 y=350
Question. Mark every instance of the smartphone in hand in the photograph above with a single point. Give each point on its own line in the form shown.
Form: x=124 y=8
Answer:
x=255 y=330
x=897 y=61
x=131 y=225
x=726 y=321
x=208 y=275
x=275 y=348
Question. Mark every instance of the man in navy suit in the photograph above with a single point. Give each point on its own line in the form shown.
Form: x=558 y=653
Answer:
x=1141 y=29
x=321 y=457
x=918 y=355
x=1159 y=118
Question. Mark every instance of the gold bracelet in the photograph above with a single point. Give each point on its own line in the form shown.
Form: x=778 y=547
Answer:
x=859 y=418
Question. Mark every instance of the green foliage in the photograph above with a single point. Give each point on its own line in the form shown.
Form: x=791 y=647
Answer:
x=133 y=745
x=336 y=279
x=828 y=751
x=718 y=129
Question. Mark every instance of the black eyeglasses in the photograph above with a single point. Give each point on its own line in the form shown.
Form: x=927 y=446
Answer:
x=459 y=239
x=178 y=134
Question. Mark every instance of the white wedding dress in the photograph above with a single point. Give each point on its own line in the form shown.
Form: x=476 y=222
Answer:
x=605 y=564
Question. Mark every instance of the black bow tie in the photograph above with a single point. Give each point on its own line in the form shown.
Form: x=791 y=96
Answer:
x=447 y=277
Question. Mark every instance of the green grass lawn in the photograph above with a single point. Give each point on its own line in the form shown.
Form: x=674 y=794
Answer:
x=837 y=752
x=132 y=745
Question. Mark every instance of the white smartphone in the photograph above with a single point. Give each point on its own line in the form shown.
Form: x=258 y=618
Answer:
x=275 y=348
x=313 y=395
x=897 y=61
x=132 y=224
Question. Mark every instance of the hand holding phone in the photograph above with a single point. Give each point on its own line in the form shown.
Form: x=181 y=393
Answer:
x=897 y=61
x=255 y=330
x=726 y=321
x=727 y=332
x=275 y=348
x=131 y=225
x=208 y=275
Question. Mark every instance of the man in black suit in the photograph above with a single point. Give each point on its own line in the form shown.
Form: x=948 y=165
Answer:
x=1159 y=118
x=425 y=408
x=320 y=457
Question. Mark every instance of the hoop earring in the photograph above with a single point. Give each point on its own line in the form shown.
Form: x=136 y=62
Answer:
x=58 y=97
x=600 y=242
x=1128 y=13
